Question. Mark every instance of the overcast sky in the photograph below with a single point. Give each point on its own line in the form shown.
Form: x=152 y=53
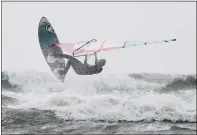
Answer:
x=104 y=21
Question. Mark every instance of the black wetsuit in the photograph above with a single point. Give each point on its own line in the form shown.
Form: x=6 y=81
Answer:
x=79 y=67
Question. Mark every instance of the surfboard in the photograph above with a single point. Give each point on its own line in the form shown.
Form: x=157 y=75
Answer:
x=48 y=40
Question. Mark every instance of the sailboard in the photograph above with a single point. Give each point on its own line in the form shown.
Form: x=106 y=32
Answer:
x=48 y=40
x=50 y=44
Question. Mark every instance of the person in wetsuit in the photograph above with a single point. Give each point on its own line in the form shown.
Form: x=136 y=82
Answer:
x=82 y=68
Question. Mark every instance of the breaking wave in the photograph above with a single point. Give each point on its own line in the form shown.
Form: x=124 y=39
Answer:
x=180 y=83
x=103 y=97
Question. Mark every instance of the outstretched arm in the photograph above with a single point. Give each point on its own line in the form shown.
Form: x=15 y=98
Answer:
x=63 y=56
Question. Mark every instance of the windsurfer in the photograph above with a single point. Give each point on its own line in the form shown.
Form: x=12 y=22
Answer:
x=82 y=68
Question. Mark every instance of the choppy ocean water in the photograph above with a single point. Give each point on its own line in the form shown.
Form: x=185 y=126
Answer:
x=35 y=102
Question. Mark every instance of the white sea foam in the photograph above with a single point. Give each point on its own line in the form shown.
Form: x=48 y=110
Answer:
x=101 y=97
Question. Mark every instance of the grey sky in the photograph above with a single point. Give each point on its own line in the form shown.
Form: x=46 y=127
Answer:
x=112 y=21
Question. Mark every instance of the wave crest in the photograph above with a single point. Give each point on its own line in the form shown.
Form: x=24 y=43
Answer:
x=107 y=98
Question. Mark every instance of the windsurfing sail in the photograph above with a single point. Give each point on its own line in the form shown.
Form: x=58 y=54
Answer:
x=88 y=47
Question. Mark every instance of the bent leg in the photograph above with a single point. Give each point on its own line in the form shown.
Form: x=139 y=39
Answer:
x=96 y=59
x=66 y=68
x=85 y=60
x=79 y=67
